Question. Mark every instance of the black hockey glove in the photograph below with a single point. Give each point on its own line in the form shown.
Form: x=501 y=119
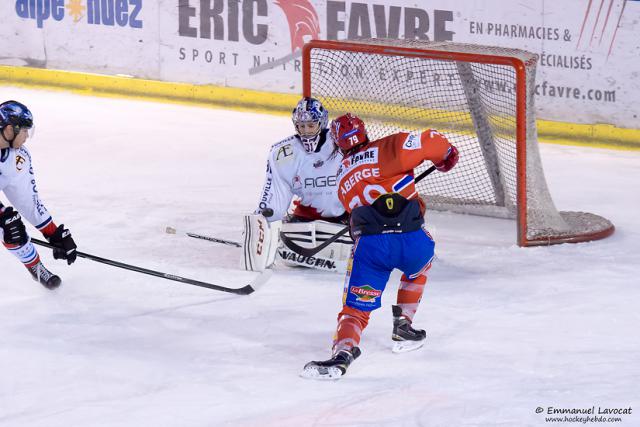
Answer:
x=64 y=246
x=13 y=227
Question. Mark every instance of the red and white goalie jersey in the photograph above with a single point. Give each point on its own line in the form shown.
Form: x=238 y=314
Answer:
x=291 y=171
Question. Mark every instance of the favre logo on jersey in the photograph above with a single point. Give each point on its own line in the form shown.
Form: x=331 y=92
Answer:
x=366 y=157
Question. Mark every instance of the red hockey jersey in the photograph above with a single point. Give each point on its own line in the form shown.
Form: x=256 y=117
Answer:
x=386 y=166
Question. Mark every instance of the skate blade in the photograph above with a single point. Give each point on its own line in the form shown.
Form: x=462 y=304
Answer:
x=406 y=346
x=321 y=373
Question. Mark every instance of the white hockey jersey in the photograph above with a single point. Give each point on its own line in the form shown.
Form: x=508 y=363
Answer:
x=18 y=184
x=310 y=176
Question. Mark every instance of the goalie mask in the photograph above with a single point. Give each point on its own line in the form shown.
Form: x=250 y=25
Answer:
x=309 y=118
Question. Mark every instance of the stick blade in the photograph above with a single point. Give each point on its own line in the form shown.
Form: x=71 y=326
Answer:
x=245 y=290
x=261 y=279
x=255 y=284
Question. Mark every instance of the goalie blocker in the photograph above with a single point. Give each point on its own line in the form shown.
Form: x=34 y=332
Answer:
x=262 y=246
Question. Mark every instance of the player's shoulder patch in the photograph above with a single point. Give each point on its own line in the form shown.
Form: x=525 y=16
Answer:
x=287 y=141
x=284 y=150
x=23 y=159
x=412 y=142
x=22 y=151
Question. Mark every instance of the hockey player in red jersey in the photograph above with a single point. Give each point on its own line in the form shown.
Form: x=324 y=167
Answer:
x=17 y=182
x=376 y=185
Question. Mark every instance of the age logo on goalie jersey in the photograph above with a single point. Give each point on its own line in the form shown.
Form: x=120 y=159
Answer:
x=365 y=293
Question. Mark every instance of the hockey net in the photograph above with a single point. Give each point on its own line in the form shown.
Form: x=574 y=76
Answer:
x=480 y=97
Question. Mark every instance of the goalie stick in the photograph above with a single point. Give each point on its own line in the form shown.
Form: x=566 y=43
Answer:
x=245 y=290
x=171 y=230
x=309 y=252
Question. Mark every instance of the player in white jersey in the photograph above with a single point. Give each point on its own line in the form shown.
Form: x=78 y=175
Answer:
x=17 y=182
x=301 y=168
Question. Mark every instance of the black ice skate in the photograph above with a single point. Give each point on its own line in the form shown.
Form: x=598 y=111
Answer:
x=333 y=368
x=404 y=336
x=40 y=274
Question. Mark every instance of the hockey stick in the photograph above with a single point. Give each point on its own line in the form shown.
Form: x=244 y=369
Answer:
x=245 y=290
x=171 y=230
x=309 y=252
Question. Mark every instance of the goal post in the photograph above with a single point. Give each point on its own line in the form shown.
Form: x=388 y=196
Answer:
x=480 y=97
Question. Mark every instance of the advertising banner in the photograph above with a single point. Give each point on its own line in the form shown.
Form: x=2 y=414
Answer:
x=98 y=36
x=587 y=71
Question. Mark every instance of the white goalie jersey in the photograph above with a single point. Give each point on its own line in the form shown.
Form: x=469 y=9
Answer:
x=309 y=179
x=291 y=171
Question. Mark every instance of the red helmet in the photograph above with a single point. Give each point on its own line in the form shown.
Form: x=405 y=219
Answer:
x=348 y=132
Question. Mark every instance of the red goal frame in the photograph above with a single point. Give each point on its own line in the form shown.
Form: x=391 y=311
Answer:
x=519 y=67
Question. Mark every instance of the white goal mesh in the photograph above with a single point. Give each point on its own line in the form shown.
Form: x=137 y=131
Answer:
x=480 y=97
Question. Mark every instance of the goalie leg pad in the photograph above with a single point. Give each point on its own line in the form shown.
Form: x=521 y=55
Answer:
x=310 y=234
x=259 y=242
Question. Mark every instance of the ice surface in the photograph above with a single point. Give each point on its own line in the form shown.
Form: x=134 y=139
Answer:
x=509 y=329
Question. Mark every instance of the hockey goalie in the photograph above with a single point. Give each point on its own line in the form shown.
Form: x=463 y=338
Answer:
x=299 y=199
